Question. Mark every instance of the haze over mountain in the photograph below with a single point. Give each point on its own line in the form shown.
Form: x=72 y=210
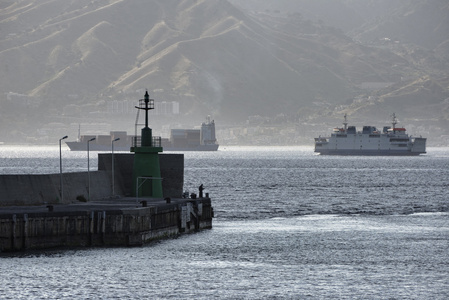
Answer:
x=295 y=64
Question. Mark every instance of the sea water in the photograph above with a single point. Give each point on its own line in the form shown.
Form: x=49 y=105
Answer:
x=289 y=225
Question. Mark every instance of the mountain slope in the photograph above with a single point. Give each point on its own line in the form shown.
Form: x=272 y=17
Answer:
x=208 y=55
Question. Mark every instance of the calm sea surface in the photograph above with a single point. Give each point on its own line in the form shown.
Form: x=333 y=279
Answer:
x=289 y=225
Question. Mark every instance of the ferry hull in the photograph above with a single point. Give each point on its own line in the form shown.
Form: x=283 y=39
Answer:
x=368 y=152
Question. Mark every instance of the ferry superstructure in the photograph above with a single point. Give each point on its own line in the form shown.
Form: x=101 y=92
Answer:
x=391 y=140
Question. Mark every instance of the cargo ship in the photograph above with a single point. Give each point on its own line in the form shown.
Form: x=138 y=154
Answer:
x=391 y=140
x=202 y=139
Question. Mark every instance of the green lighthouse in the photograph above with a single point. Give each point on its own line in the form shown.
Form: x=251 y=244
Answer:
x=147 y=181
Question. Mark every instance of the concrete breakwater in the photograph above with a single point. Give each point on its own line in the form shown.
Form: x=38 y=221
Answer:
x=117 y=222
x=37 y=189
x=33 y=215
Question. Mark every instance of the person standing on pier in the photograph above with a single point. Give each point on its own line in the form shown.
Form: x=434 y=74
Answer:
x=201 y=188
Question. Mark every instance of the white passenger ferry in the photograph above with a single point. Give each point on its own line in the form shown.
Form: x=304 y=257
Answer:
x=391 y=140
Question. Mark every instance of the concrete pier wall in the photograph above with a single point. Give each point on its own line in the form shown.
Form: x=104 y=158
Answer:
x=30 y=189
x=18 y=190
x=103 y=227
